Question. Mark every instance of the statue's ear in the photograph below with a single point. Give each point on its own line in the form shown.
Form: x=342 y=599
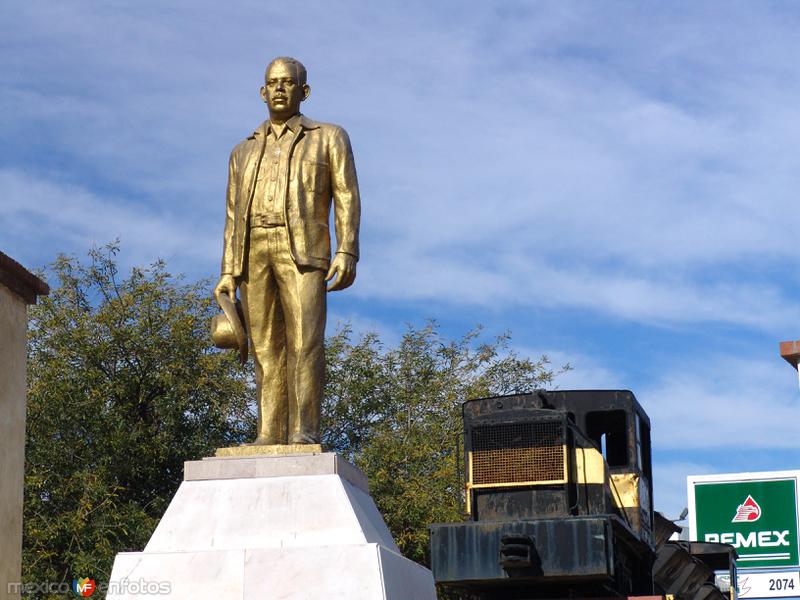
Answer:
x=306 y=91
x=264 y=93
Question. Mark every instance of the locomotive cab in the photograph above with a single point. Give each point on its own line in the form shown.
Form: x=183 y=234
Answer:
x=550 y=454
x=558 y=491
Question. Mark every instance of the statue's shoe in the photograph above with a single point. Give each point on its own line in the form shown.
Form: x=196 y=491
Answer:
x=265 y=441
x=303 y=438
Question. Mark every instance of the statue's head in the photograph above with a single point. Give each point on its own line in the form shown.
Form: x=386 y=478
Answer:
x=284 y=87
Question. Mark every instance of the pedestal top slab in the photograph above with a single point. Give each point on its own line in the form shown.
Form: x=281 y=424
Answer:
x=268 y=450
x=248 y=467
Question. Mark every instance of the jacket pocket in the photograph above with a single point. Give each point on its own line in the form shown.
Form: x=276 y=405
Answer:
x=314 y=175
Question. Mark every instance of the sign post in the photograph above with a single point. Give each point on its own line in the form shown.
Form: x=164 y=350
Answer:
x=756 y=513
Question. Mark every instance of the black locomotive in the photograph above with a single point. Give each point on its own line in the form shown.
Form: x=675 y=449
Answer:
x=558 y=489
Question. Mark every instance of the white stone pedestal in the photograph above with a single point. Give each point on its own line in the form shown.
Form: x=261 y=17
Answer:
x=289 y=527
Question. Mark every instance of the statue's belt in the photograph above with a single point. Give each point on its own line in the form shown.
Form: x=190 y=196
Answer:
x=266 y=221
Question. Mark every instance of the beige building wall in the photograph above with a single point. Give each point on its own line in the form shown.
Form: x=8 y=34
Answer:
x=18 y=289
x=13 y=326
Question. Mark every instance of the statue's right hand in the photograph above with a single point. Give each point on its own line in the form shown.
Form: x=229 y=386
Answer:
x=226 y=285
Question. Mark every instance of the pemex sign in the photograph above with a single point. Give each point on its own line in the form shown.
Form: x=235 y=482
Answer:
x=757 y=513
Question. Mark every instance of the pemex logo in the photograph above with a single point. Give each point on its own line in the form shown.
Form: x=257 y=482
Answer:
x=747 y=512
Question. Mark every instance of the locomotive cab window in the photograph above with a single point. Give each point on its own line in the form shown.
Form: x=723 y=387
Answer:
x=643 y=446
x=608 y=430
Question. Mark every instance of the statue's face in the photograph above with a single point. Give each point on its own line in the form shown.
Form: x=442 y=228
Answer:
x=282 y=92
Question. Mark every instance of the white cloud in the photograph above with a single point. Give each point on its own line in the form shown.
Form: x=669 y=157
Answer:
x=669 y=485
x=657 y=298
x=633 y=163
x=360 y=326
x=37 y=211
x=731 y=401
x=588 y=372
x=626 y=162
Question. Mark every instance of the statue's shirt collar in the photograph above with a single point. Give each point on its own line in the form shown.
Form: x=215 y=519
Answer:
x=279 y=129
x=294 y=125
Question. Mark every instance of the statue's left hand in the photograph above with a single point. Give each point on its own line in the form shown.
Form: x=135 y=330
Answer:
x=343 y=267
x=226 y=285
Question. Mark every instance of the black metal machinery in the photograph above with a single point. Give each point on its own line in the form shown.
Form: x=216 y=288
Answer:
x=558 y=489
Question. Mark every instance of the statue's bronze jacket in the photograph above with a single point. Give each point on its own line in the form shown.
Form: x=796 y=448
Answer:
x=321 y=171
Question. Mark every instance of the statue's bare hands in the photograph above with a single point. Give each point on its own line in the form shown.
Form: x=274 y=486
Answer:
x=226 y=285
x=343 y=267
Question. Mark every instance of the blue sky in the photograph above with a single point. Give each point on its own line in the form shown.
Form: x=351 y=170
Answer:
x=613 y=182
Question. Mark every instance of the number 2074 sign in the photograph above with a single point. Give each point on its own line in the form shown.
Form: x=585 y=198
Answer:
x=769 y=585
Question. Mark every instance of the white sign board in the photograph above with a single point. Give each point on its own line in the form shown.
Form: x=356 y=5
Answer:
x=778 y=584
x=756 y=513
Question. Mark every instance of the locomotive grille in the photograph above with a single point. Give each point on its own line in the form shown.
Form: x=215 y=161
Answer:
x=518 y=452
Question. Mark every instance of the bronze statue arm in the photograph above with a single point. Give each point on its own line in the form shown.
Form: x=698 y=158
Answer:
x=227 y=284
x=344 y=188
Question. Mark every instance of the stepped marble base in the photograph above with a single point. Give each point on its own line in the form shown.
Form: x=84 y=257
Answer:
x=289 y=527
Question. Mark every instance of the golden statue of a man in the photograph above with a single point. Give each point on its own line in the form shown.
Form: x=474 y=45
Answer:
x=282 y=181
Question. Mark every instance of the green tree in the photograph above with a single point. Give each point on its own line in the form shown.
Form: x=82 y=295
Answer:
x=123 y=387
x=396 y=413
